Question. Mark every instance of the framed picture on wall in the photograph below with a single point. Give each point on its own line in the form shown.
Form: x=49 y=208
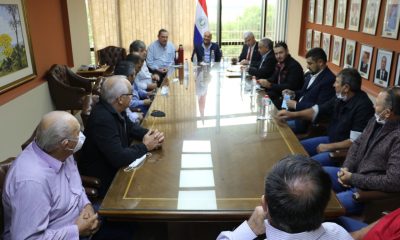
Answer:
x=341 y=13
x=371 y=16
x=311 y=6
x=326 y=44
x=16 y=57
x=317 y=39
x=382 y=68
x=354 y=15
x=309 y=39
x=364 y=64
x=392 y=18
x=337 y=49
x=320 y=11
x=349 y=52
x=397 y=79
x=330 y=7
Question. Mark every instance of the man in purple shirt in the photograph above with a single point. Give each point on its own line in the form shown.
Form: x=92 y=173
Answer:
x=43 y=197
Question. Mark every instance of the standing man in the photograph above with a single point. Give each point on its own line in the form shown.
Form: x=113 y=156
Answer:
x=317 y=89
x=382 y=74
x=349 y=112
x=43 y=197
x=288 y=74
x=297 y=191
x=161 y=54
x=250 y=55
x=268 y=60
x=204 y=50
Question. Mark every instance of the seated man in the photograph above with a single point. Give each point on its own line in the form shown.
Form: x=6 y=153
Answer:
x=204 y=51
x=161 y=54
x=317 y=88
x=348 y=113
x=268 y=60
x=250 y=55
x=109 y=134
x=297 y=191
x=373 y=161
x=144 y=79
x=288 y=74
x=43 y=197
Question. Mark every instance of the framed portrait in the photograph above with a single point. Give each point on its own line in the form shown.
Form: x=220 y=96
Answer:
x=311 y=8
x=354 y=15
x=320 y=11
x=371 y=16
x=397 y=79
x=317 y=39
x=382 y=68
x=16 y=57
x=349 y=52
x=337 y=50
x=364 y=63
x=326 y=44
x=392 y=18
x=330 y=7
x=309 y=39
x=341 y=13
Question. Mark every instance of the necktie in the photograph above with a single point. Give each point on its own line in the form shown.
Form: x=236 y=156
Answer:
x=248 y=54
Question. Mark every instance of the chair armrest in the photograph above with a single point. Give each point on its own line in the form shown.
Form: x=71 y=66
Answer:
x=90 y=182
x=362 y=196
x=91 y=193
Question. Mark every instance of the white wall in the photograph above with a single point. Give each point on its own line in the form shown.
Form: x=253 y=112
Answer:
x=19 y=118
x=294 y=26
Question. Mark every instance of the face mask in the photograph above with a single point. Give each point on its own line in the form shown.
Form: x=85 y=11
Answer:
x=378 y=118
x=79 y=143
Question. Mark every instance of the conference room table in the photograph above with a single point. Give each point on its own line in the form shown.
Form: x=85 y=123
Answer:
x=215 y=156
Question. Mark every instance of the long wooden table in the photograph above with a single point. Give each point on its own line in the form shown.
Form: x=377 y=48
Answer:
x=214 y=159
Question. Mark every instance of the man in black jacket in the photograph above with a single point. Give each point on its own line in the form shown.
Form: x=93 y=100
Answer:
x=250 y=55
x=268 y=60
x=288 y=74
x=204 y=51
x=109 y=133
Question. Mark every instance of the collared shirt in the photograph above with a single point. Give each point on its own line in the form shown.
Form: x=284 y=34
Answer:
x=312 y=79
x=159 y=56
x=207 y=53
x=327 y=231
x=263 y=57
x=42 y=197
x=143 y=78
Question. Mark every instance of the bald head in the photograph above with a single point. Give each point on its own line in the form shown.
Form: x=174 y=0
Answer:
x=207 y=38
x=54 y=128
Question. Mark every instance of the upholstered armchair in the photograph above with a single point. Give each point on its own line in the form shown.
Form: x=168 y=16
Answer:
x=4 y=166
x=111 y=55
x=67 y=88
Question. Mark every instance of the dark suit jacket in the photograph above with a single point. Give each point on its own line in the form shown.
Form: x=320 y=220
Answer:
x=107 y=145
x=255 y=59
x=320 y=91
x=266 y=68
x=199 y=50
x=385 y=75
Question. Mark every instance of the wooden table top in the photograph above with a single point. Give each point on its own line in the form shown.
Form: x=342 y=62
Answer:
x=214 y=159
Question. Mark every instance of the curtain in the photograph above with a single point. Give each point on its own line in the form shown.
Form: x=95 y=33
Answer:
x=119 y=22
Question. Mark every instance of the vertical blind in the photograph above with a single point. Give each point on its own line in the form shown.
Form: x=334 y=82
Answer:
x=119 y=22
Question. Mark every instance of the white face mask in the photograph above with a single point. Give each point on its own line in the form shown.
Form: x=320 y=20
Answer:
x=79 y=144
x=379 y=119
x=340 y=96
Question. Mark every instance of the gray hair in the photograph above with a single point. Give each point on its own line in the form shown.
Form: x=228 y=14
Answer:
x=266 y=42
x=248 y=34
x=136 y=46
x=113 y=87
x=53 y=129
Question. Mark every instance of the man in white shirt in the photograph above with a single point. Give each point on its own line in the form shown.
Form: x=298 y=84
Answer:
x=297 y=191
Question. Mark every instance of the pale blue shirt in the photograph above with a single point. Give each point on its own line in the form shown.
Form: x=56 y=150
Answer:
x=159 y=56
x=327 y=231
x=42 y=197
x=207 y=53
x=143 y=78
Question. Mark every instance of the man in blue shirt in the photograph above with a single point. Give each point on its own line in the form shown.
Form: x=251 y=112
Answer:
x=204 y=50
x=161 y=54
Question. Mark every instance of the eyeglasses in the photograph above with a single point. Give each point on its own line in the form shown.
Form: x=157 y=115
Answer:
x=127 y=94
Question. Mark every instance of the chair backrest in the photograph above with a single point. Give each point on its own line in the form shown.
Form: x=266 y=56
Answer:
x=59 y=72
x=111 y=55
x=4 y=166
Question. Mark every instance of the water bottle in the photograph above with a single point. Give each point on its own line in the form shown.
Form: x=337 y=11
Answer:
x=265 y=108
x=186 y=67
x=195 y=59
x=212 y=57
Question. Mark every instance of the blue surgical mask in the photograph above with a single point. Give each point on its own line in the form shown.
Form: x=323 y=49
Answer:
x=79 y=144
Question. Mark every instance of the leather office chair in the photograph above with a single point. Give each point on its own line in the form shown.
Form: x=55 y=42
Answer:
x=4 y=166
x=110 y=56
x=67 y=88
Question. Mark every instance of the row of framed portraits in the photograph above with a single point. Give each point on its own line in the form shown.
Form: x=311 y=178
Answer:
x=390 y=24
x=382 y=71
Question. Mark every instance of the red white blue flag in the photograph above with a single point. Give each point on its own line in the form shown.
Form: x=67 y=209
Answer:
x=201 y=21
